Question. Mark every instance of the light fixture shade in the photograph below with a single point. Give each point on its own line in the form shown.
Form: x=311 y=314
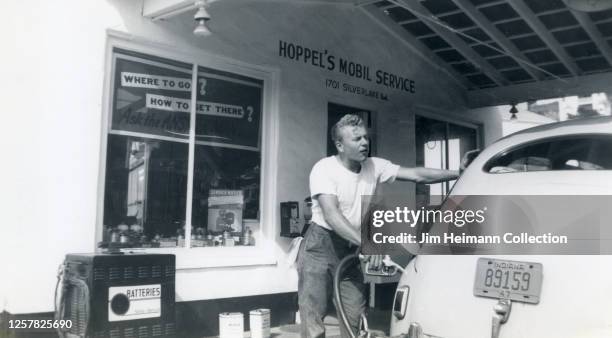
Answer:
x=513 y=112
x=202 y=14
x=201 y=29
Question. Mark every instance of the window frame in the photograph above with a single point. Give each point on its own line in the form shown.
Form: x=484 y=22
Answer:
x=263 y=252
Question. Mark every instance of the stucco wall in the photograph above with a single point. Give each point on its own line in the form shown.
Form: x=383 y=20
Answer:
x=53 y=75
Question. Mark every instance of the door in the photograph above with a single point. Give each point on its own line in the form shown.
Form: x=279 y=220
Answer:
x=441 y=145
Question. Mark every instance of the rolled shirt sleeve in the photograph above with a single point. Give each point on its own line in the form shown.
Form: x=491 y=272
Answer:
x=385 y=171
x=321 y=181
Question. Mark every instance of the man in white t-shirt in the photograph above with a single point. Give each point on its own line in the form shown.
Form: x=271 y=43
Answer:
x=337 y=184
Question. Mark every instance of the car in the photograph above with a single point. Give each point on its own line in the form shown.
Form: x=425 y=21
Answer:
x=436 y=293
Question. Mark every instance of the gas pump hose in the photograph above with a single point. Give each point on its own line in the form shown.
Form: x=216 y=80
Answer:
x=337 y=299
x=364 y=330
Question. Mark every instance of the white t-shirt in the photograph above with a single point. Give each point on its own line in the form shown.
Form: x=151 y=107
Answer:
x=329 y=176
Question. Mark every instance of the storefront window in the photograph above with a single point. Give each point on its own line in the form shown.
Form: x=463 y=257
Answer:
x=226 y=184
x=148 y=173
x=146 y=186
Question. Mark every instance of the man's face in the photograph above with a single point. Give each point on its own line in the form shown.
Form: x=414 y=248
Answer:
x=354 y=143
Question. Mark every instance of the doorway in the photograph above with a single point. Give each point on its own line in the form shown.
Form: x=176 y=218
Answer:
x=440 y=145
x=336 y=111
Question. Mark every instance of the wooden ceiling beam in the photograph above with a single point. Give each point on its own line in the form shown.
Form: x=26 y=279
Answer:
x=413 y=43
x=552 y=11
x=534 y=22
x=481 y=21
x=595 y=35
x=491 y=4
x=453 y=39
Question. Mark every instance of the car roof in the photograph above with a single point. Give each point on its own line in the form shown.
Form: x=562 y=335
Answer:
x=599 y=124
x=475 y=181
x=590 y=125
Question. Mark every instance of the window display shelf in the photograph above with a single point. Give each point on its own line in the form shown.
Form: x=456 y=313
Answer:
x=215 y=257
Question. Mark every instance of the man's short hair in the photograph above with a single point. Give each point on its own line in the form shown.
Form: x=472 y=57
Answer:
x=350 y=120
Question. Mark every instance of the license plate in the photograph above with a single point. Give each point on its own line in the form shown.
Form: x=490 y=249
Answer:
x=514 y=280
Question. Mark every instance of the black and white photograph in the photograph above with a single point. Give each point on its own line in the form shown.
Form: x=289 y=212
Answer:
x=306 y=169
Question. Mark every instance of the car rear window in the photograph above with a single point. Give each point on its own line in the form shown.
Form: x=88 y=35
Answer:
x=584 y=152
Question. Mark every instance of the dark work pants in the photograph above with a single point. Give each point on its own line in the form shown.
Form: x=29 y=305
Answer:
x=319 y=255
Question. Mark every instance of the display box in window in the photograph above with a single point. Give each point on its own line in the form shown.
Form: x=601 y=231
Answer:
x=225 y=210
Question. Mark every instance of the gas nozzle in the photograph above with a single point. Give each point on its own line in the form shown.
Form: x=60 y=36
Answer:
x=387 y=261
x=388 y=268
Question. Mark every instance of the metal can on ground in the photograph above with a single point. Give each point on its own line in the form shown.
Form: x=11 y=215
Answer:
x=259 y=321
x=231 y=325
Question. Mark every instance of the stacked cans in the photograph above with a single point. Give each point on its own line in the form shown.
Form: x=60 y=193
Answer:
x=231 y=324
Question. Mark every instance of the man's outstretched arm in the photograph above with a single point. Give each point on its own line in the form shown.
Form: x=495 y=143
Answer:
x=333 y=216
x=426 y=175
